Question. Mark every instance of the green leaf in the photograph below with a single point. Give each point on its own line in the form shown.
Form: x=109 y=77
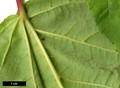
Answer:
x=107 y=14
x=57 y=45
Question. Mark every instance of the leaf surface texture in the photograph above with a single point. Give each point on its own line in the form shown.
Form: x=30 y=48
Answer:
x=60 y=45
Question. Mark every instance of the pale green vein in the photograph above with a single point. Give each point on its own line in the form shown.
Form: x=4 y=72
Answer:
x=5 y=55
x=76 y=41
x=53 y=8
x=86 y=83
x=30 y=57
x=45 y=54
x=91 y=35
x=103 y=13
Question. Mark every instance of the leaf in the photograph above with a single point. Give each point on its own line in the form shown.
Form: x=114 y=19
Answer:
x=57 y=45
x=15 y=57
x=107 y=13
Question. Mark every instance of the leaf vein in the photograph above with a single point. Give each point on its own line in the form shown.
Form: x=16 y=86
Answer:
x=52 y=8
x=76 y=41
x=86 y=83
x=5 y=55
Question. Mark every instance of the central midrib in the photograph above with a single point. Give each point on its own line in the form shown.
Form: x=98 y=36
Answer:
x=45 y=54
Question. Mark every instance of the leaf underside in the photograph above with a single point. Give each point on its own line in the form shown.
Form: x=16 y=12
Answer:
x=64 y=44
